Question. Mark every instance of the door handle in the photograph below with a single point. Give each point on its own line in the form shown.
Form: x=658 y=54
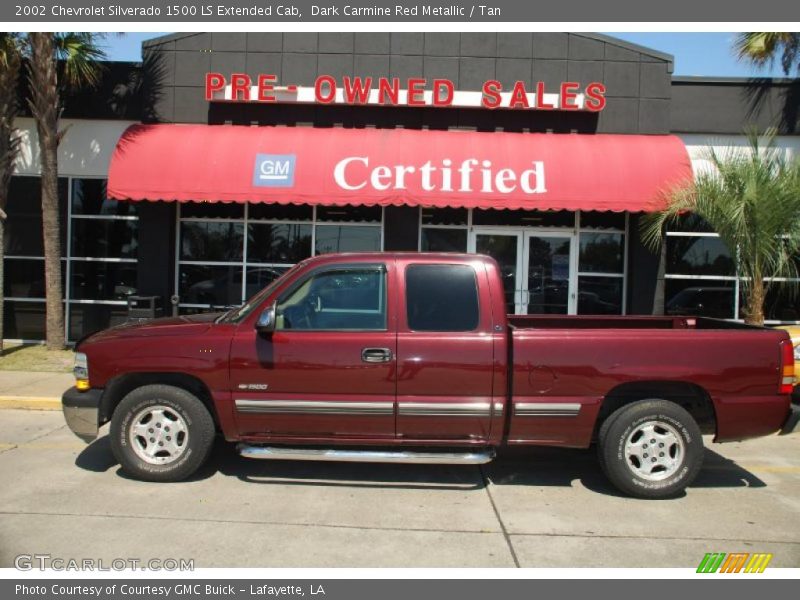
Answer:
x=376 y=355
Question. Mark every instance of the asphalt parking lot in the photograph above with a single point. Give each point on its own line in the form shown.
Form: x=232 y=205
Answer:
x=546 y=508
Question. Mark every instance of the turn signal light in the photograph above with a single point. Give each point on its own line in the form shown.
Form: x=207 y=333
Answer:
x=787 y=368
x=82 y=384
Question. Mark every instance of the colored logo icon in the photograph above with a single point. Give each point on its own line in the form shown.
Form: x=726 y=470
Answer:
x=274 y=170
x=736 y=562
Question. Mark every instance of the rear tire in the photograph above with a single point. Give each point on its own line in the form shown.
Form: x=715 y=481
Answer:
x=650 y=449
x=161 y=433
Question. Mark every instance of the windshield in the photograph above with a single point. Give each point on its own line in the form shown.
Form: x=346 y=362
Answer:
x=237 y=314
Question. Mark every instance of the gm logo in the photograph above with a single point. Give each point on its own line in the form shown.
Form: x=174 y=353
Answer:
x=274 y=170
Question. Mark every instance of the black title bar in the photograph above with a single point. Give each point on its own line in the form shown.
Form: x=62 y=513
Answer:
x=303 y=11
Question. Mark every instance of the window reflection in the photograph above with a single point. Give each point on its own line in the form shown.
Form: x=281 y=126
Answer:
x=699 y=298
x=278 y=243
x=444 y=240
x=600 y=295
x=344 y=238
x=688 y=255
x=601 y=252
x=212 y=241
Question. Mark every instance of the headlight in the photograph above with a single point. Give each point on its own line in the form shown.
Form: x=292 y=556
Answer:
x=81 y=372
x=797 y=353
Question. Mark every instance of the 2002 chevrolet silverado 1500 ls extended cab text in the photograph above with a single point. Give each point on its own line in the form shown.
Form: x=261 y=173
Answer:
x=409 y=357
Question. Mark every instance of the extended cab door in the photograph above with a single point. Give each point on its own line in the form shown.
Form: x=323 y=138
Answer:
x=445 y=353
x=329 y=368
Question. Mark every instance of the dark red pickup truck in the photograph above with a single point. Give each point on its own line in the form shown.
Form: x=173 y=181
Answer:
x=411 y=358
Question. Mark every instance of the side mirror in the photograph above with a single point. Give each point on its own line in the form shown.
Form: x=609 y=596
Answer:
x=266 y=320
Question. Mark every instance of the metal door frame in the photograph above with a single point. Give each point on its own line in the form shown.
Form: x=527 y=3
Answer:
x=520 y=298
x=572 y=278
x=524 y=235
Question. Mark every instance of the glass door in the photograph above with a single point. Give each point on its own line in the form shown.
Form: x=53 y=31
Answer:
x=550 y=269
x=505 y=246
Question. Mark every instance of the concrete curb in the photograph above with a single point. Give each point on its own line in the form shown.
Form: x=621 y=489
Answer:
x=31 y=402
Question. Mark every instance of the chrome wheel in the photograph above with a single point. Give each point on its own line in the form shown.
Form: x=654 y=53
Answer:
x=158 y=435
x=654 y=450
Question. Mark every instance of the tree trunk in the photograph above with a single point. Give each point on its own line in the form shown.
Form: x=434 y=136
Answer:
x=44 y=105
x=754 y=309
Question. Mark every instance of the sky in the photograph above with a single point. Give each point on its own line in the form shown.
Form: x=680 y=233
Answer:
x=704 y=54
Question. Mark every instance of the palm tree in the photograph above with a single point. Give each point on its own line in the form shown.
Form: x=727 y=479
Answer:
x=10 y=62
x=751 y=198
x=55 y=61
x=762 y=47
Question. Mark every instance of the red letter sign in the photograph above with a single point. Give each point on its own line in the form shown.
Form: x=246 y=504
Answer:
x=214 y=83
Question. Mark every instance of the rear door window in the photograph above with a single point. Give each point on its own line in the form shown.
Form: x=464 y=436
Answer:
x=442 y=298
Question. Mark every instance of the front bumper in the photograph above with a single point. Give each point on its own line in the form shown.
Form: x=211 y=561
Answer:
x=790 y=426
x=82 y=412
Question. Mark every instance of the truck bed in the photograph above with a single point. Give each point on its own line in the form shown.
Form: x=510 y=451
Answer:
x=581 y=361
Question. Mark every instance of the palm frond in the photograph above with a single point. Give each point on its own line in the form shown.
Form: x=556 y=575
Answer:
x=762 y=48
x=81 y=55
x=751 y=198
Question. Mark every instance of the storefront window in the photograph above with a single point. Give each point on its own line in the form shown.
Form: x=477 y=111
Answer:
x=346 y=238
x=696 y=255
x=592 y=219
x=98 y=265
x=214 y=286
x=701 y=278
x=598 y=283
x=782 y=303
x=445 y=216
x=106 y=238
x=104 y=245
x=212 y=241
x=524 y=218
x=601 y=252
x=601 y=263
x=100 y=280
x=443 y=240
x=280 y=212
x=23 y=320
x=228 y=252
x=701 y=298
x=89 y=198
x=280 y=243
x=350 y=214
x=84 y=318
x=600 y=295
x=24 y=278
x=443 y=229
x=212 y=210
x=23 y=284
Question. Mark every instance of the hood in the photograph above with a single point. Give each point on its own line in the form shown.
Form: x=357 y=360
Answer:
x=166 y=326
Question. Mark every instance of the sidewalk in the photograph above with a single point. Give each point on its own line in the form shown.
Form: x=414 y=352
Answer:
x=35 y=390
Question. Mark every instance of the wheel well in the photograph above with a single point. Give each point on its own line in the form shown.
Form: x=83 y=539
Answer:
x=689 y=396
x=121 y=386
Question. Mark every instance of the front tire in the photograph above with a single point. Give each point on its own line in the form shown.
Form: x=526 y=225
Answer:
x=650 y=449
x=161 y=433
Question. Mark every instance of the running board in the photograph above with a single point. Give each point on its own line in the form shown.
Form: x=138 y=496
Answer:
x=371 y=456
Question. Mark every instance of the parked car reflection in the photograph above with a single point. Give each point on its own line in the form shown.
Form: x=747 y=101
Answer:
x=702 y=301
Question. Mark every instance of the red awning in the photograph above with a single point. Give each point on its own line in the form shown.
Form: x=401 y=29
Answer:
x=305 y=165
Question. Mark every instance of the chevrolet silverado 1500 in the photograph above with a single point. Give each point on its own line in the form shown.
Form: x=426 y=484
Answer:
x=407 y=357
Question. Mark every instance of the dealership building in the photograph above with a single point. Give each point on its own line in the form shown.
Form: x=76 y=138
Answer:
x=199 y=175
